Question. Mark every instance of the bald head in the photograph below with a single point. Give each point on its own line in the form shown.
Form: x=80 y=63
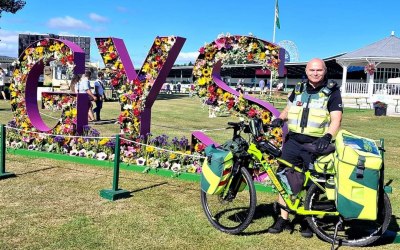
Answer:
x=316 y=71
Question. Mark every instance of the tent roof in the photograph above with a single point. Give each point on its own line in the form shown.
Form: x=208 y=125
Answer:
x=387 y=49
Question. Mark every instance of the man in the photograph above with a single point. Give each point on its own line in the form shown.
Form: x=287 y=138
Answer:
x=83 y=86
x=314 y=114
x=99 y=92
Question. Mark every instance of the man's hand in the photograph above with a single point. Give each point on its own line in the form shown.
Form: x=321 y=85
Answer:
x=322 y=143
x=278 y=122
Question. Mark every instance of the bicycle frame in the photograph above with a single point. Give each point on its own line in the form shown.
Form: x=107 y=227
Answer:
x=295 y=205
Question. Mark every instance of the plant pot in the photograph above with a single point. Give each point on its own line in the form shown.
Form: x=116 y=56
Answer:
x=380 y=111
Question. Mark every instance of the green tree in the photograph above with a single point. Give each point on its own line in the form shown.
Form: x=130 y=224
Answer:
x=11 y=6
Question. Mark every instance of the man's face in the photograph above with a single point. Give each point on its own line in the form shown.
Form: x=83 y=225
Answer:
x=315 y=72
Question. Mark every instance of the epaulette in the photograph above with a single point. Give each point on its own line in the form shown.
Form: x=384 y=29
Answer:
x=327 y=90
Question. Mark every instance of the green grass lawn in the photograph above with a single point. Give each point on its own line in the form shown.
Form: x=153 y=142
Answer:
x=56 y=205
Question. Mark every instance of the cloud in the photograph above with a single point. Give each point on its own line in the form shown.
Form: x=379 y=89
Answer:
x=97 y=18
x=186 y=57
x=122 y=9
x=8 y=43
x=67 y=22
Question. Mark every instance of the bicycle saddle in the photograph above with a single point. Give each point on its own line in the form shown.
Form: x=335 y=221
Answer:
x=313 y=149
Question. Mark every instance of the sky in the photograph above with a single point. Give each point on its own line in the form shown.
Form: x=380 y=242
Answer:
x=318 y=28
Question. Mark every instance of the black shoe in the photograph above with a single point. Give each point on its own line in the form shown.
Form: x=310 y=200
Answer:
x=280 y=225
x=305 y=229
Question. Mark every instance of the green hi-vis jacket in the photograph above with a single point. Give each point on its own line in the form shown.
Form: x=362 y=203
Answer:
x=308 y=113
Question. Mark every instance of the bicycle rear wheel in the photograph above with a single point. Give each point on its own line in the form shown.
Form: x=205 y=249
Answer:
x=352 y=232
x=231 y=213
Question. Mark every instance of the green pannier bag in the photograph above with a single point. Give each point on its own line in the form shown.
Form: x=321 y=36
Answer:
x=357 y=176
x=216 y=169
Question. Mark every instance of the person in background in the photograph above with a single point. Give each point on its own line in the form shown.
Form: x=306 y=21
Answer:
x=2 y=83
x=83 y=86
x=314 y=115
x=99 y=92
x=239 y=88
x=261 y=85
x=74 y=81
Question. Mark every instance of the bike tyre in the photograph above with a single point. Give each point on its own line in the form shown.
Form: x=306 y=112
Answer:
x=248 y=213
x=321 y=225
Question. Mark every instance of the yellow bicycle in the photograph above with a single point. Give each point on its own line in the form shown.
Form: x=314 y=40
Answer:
x=232 y=210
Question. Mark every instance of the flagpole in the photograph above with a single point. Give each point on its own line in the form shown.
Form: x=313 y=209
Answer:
x=273 y=35
x=273 y=41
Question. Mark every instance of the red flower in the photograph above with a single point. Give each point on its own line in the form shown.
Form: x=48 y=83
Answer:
x=137 y=82
x=231 y=103
x=113 y=55
x=114 y=82
x=70 y=58
x=43 y=43
x=136 y=112
x=252 y=112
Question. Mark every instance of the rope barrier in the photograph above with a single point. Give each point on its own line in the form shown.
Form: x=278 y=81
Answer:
x=165 y=150
x=92 y=137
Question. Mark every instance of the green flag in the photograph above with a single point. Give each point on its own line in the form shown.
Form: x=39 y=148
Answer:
x=277 y=15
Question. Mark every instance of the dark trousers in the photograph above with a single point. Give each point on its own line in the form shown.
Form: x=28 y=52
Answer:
x=96 y=110
x=294 y=153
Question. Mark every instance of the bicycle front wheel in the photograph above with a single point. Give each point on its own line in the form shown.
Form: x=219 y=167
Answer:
x=231 y=214
x=352 y=232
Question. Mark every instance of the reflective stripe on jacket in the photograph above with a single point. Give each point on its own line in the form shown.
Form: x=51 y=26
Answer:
x=308 y=114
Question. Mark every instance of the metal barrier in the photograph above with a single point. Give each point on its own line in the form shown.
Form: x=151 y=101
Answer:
x=115 y=193
x=3 y=173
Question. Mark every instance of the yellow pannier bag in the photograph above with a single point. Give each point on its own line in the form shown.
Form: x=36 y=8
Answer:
x=216 y=169
x=357 y=176
x=325 y=164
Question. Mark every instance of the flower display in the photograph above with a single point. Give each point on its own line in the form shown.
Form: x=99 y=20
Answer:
x=45 y=50
x=370 y=68
x=379 y=104
x=231 y=50
x=235 y=50
x=133 y=93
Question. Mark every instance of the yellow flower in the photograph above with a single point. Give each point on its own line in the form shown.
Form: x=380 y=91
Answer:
x=220 y=91
x=123 y=98
x=202 y=81
x=52 y=48
x=226 y=96
x=209 y=56
x=111 y=49
x=125 y=113
x=157 y=41
x=67 y=113
x=39 y=50
x=191 y=169
x=149 y=149
x=172 y=156
x=74 y=112
x=206 y=72
x=103 y=141
x=277 y=132
x=146 y=67
x=266 y=117
x=24 y=125
x=262 y=55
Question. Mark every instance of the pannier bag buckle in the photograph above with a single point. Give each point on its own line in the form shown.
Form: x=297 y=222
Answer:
x=360 y=167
